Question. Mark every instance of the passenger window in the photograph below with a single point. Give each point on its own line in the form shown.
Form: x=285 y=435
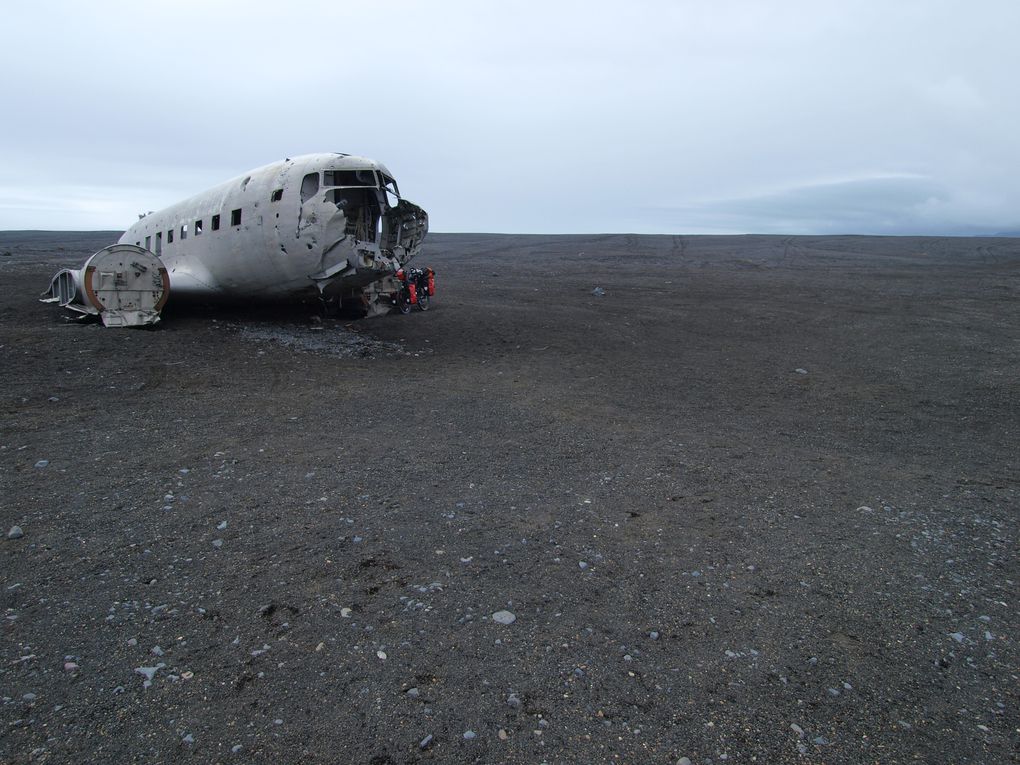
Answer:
x=148 y=242
x=235 y=217
x=184 y=232
x=309 y=186
x=216 y=223
x=277 y=196
x=198 y=227
x=159 y=243
x=170 y=236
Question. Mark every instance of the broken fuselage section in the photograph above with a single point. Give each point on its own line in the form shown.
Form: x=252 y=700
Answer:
x=327 y=224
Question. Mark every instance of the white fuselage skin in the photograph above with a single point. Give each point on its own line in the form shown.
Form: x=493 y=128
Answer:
x=295 y=235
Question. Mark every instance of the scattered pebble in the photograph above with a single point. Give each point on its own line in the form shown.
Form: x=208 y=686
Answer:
x=15 y=533
x=236 y=748
x=800 y=371
x=149 y=672
x=189 y=739
x=653 y=635
x=71 y=666
x=412 y=693
x=684 y=761
x=469 y=735
x=426 y=742
x=504 y=617
x=42 y=463
x=957 y=636
x=512 y=701
x=797 y=729
x=502 y=735
x=345 y=613
x=217 y=543
x=221 y=525
x=381 y=655
x=157 y=651
x=598 y=292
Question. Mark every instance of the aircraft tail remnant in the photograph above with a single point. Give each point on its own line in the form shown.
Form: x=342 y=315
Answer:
x=332 y=225
x=125 y=285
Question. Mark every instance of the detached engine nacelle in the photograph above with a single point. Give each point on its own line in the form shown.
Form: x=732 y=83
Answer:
x=125 y=285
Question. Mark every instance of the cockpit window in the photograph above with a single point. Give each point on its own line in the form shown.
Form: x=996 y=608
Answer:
x=349 y=178
x=390 y=186
x=309 y=186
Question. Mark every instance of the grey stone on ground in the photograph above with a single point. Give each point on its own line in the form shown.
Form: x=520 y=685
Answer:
x=504 y=617
x=15 y=533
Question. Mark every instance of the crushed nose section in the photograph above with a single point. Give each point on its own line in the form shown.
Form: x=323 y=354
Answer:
x=125 y=285
x=405 y=227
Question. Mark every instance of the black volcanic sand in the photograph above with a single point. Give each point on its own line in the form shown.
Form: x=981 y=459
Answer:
x=757 y=502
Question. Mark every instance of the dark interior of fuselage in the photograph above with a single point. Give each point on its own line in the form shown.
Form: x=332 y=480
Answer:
x=361 y=208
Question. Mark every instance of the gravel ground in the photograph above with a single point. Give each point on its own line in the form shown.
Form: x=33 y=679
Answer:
x=613 y=499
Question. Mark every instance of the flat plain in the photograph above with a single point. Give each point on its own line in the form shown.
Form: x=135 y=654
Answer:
x=748 y=499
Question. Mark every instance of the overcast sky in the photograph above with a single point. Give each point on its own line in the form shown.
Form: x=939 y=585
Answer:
x=892 y=116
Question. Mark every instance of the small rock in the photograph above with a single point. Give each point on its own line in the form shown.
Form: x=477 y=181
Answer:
x=236 y=748
x=412 y=693
x=959 y=637
x=157 y=651
x=132 y=641
x=513 y=702
x=29 y=697
x=149 y=672
x=502 y=735
x=221 y=525
x=582 y=565
x=504 y=617
x=345 y=613
x=320 y=647
x=684 y=761
x=820 y=741
x=653 y=635
x=381 y=655
x=426 y=742
x=189 y=739
x=797 y=729
x=71 y=666
x=800 y=371
x=469 y=735
x=598 y=292
x=42 y=463
x=15 y=533
x=217 y=543
x=278 y=721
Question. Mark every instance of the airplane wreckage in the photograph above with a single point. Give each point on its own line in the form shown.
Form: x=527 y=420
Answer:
x=334 y=225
